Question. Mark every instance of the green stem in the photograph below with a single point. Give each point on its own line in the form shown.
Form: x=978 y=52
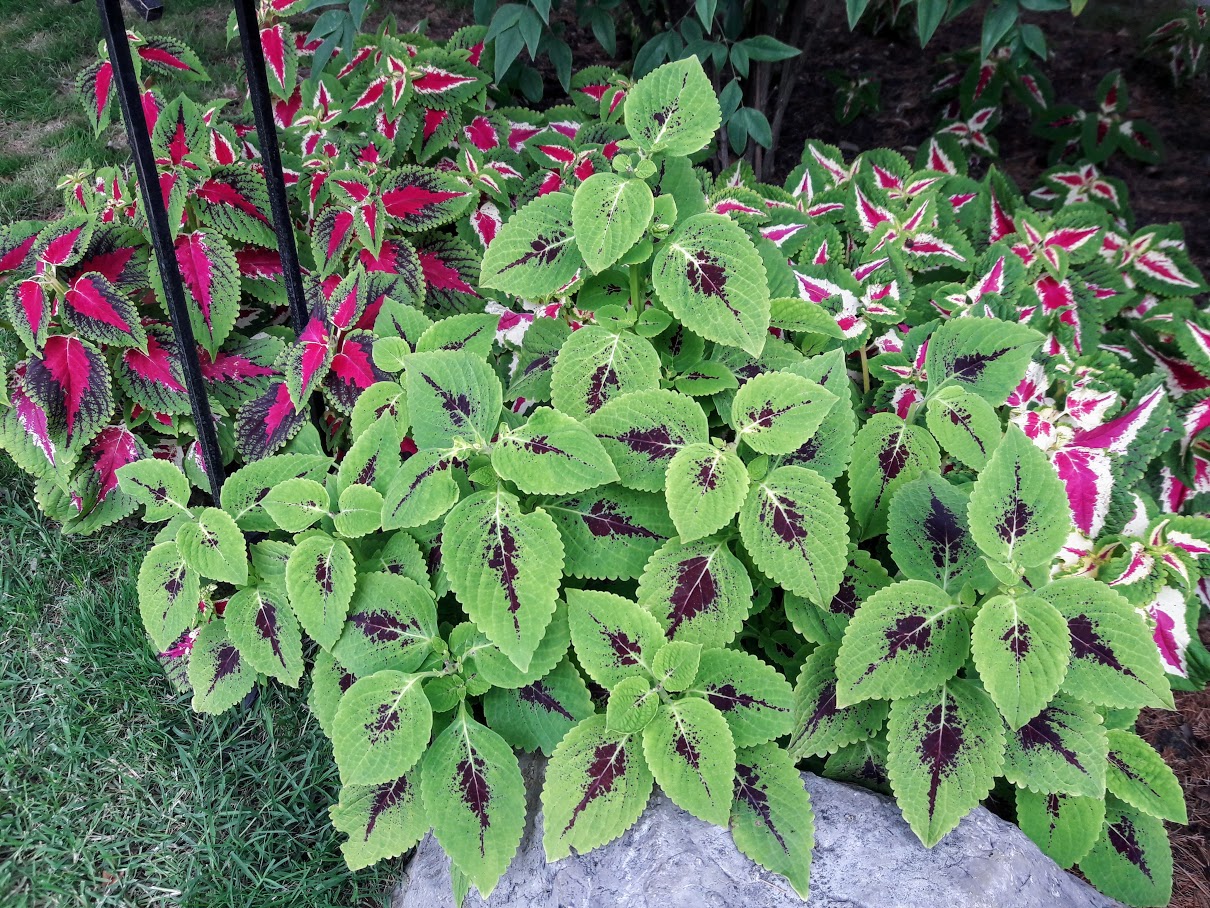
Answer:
x=634 y=287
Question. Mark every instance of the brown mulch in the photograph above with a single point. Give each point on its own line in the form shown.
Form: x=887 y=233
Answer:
x=1083 y=51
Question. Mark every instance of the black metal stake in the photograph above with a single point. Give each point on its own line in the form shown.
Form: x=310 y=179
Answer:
x=130 y=98
x=275 y=180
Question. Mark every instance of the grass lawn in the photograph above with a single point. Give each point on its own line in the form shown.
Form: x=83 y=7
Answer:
x=112 y=791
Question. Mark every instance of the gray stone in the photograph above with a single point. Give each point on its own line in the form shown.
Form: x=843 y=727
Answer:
x=865 y=857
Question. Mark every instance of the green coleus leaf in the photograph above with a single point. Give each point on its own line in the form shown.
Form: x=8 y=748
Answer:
x=1113 y=660
x=218 y=673
x=384 y=400
x=1140 y=777
x=1021 y=649
x=422 y=490
x=552 y=454
x=793 y=526
x=609 y=533
x=261 y=624
x=863 y=763
x=830 y=448
x=699 y=592
x=320 y=577
x=504 y=566
x=673 y=109
x=213 y=545
x=494 y=667
x=752 y=696
x=772 y=821
x=360 y=511
x=1062 y=748
x=689 y=748
x=381 y=821
x=372 y=460
x=535 y=253
x=381 y=728
x=329 y=681
x=905 y=639
x=452 y=396
x=157 y=484
x=705 y=487
x=296 y=504
x=475 y=798
x=597 y=784
x=930 y=537
x=887 y=454
x=633 y=703
x=983 y=355
x=474 y=332
x=709 y=275
x=391 y=624
x=945 y=748
x=537 y=715
x=1131 y=860
x=245 y=490
x=965 y=425
x=596 y=364
x=863 y=576
x=613 y=637
x=643 y=430
x=609 y=214
x=675 y=665
x=821 y=726
x=779 y=412
x=1063 y=826
x=169 y=593
x=1018 y=509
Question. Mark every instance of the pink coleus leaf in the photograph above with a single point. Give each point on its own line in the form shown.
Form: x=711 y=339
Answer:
x=1170 y=631
x=353 y=370
x=71 y=382
x=25 y=427
x=418 y=199
x=113 y=448
x=154 y=377
x=102 y=313
x=211 y=277
x=266 y=423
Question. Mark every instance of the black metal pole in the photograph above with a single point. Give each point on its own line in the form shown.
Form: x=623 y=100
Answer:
x=130 y=98
x=275 y=181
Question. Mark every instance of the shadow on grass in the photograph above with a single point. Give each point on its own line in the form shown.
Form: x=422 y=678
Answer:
x=112 y=792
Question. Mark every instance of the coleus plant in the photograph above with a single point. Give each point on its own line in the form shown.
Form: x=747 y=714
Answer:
x=1181 y=42
x=704 y=480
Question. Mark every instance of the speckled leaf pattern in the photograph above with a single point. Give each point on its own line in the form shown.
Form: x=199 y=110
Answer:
x=451 y=395
x=381 y=821
x=673 y=109
x=1132 y=859
x=699 y=591
x=792 y=525
x=1021 y=650
x=422 y=490
x=535 y=252
x=381 y=728
x=1140 y=777
x=536 y=716
x=596 y=365
x=260 y=622
x=689 y=748
x=613 y=637
x=705 y=487
x=821 y=726
x=779 y=412
x=887 y=454
x=610 y=533
x=945 y=749
x=1063 y=826
x=552 y=454
x=1113 y=661
x=863 y=576
x=391 y=624
x=752 y=696
x=643 y=430
x=213 y=546
x=710 y=276
x=1062 y=748
x=320 y=578
x=984 y=355
x=597 y=784
x=905 y=639
x=965 y=425
x=1018 y=508
x=504 y=566
x=772 y=821
x=609 y=214
x=169 y=592
x=475 y=798
x=929 y=534
x=219 y=675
